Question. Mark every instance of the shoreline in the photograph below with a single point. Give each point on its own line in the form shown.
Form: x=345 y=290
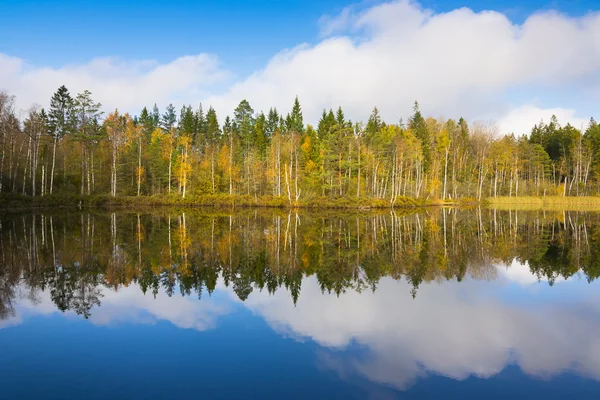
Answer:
x=17 y=202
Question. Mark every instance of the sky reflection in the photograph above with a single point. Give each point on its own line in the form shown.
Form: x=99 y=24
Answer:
x=474 y=328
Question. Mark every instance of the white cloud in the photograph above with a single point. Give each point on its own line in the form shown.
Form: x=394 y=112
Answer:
x=332 y=24
x=520 y=120
x=455 y=63
x=127 y=85
x=458 y=63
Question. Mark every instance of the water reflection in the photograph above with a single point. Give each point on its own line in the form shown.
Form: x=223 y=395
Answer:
x=347 y=282
x=450 y=330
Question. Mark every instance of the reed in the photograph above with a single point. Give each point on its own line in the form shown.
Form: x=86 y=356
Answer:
x=583 y=203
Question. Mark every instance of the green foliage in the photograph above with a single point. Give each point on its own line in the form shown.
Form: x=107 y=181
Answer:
x=244 y=122
x=61 y=115
x=262 y=154
x=169 y=118
x=417 y=124
x=374 y=124
x=213 y=132
x=296 y=122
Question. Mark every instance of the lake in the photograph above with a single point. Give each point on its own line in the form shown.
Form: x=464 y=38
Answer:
x=257 y=303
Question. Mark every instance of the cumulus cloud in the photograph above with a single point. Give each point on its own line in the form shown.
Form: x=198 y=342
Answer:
x=116 y=83
x=457 y=63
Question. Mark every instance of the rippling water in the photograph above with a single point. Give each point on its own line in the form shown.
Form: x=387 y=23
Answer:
x=271 y=304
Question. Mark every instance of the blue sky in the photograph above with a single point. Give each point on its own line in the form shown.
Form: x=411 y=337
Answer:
x=131 y=55
x=244 y=34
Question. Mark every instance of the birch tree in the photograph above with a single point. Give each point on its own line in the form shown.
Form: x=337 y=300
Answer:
x=116 y=126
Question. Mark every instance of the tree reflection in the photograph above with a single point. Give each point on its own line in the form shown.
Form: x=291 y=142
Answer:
x=75 y=256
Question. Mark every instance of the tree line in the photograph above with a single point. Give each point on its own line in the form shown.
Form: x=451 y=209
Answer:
x=74 y=147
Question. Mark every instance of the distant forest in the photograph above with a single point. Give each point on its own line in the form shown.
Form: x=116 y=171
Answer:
x=74 y=147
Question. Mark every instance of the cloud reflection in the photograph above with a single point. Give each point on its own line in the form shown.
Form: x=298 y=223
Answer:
x=456 y=330
x=130 y=305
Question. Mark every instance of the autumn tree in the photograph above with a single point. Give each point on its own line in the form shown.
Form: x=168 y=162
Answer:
x=134 y=134
x=116 y=128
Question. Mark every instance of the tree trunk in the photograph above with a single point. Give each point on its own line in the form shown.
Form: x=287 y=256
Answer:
x=27 y=163
x=34 y=163
x=212 y=170
x=139 y=171
x=92 y=171
x=340 y=172
x=278 y=166
x=43 y=181
x=517 y=186
x=230 y=163
x=2 y=158
x=89 y=171
x=185 y=160
x=496 y=182
x=114 y=171
x=170 y=159
x=53 y=163
x=358 y=177
x=82 y=168
x=287 y=184
x=296 y=178
x=445 y=174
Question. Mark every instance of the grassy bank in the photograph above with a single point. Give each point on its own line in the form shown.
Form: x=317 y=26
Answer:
x=14 y=201
x=584 y=203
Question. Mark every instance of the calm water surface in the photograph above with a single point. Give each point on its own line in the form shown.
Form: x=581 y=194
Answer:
x=271 y=304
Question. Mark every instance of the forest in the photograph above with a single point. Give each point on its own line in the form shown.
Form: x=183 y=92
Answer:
x=74 y=147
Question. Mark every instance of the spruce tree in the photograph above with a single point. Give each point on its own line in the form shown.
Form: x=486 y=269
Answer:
x=61 y=122
x=296 y=122
x=169 y=118
x=418 y=125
